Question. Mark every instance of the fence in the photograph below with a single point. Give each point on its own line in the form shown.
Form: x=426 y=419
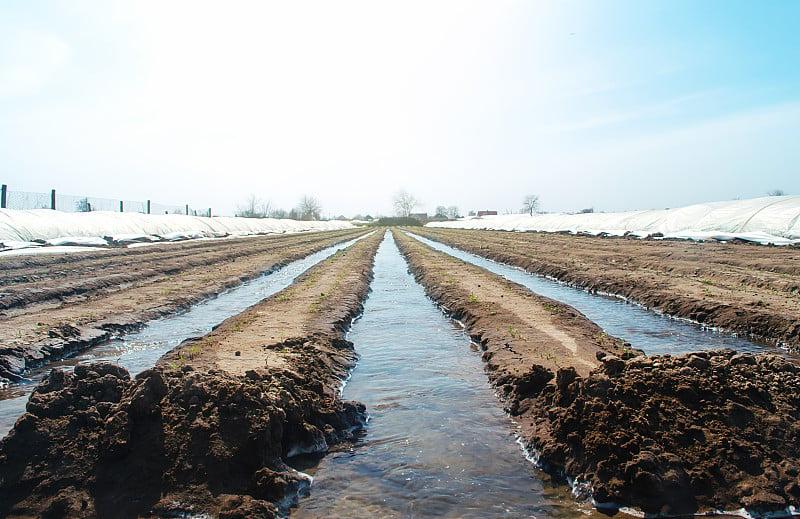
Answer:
x=82 y=204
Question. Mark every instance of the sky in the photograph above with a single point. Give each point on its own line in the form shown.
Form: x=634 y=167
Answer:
x=615 y=105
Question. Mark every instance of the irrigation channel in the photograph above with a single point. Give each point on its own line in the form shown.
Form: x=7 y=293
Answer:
x=140 y=350
x=437 y=444
x=653 y=333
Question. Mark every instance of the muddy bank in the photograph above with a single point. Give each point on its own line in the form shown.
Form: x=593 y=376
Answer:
x=69 y=303
x=209 y=429
x=744 y=288
x=709 y=430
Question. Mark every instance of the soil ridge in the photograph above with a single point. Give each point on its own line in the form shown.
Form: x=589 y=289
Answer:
x=752 y=319
x=203 y=432
x=57 y=337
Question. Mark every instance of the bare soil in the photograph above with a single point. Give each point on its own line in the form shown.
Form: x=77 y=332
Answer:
x=671 y=435
x=749 y=289
x=55 y=305
x=208 y=430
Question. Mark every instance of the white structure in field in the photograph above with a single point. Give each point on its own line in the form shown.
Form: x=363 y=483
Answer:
x=19 y=229
x=774 y=219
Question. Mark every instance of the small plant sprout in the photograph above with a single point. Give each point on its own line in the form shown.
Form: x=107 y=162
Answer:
x=553 y=309
x=472 y=298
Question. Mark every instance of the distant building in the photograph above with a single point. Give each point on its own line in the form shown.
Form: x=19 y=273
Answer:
x=487 y=213
x=422 y=217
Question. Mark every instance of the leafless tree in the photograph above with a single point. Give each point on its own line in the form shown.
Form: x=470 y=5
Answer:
x=441 y=211
x=253 y=208
x=530 y=204
x=309 y=208
x=776 y=192
x=83 y=206
x=278 y=213
x=404 y=203
x=452 y=212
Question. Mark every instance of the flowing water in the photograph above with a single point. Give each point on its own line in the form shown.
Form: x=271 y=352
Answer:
x=645 y=329
x=437 y=443
x=140 y=350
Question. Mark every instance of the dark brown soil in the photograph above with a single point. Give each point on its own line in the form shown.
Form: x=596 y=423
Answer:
x=209 y=429
x=749 y=289
x=55 y=305
x=704 y=431
x=673 y=435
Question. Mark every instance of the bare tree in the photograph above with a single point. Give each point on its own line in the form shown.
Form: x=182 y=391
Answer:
x=309 y=208
x=776 y=192
x=452 y=212
x=83 y=206
x=253 y=208
x=278 y=213
x=441 y=211
x=404 y=202
x=530 y=204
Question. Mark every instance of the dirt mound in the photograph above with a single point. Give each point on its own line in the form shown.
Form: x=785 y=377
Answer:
x=97 y=443
x=707 y=430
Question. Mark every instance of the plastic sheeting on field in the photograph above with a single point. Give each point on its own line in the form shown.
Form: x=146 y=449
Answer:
x=774 y=219
x=47 y=225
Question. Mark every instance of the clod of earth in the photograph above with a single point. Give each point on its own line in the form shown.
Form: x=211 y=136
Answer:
x=96 y=443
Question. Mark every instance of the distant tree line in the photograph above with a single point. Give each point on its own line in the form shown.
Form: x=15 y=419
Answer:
x=309 y=208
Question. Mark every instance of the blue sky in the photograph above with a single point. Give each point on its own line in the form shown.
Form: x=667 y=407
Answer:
x=614 y=105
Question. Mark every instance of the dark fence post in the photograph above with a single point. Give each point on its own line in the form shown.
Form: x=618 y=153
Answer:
x=148 y=207
x=3 y=193
x=209 y=212
x=120 y=207
x=187 y=209
x=53 y=199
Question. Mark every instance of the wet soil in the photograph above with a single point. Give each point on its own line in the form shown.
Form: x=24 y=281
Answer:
x=748 y=289
x=55 y=305
x=208 y=430
x=674 y=435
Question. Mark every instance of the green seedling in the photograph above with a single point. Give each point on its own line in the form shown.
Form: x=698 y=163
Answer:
x=553 y=309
